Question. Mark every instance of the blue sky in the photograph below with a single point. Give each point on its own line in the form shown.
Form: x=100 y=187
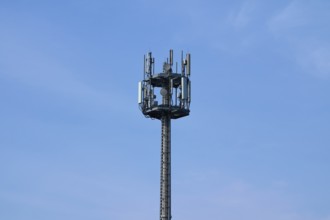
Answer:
x=74 y=145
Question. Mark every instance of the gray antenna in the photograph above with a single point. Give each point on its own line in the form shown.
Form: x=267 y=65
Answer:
x=182 y=64
x=188 y=64
x=149 y=65
x=164 y=110
x=171 y=57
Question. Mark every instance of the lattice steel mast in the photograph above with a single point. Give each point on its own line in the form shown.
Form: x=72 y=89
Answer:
x=171 y=107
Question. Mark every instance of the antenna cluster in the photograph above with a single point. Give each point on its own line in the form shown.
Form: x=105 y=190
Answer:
x=174 y=88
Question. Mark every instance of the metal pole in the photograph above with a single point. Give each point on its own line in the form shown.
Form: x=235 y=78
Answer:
x=165 y=179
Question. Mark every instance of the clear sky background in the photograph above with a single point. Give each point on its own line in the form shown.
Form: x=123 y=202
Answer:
x=74 y=145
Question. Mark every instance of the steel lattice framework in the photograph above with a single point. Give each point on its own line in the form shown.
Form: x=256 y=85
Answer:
x=175 y=89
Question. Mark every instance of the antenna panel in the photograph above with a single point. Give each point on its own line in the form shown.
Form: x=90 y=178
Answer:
x=184 y=88
x=140 y=93
x=188 y=64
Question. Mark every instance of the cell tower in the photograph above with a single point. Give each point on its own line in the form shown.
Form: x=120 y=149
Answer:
x=175 y=89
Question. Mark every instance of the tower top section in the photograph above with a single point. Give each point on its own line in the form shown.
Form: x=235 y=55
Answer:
x=172 y=86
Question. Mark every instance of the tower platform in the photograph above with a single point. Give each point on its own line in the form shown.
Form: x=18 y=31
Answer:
x=160 y=110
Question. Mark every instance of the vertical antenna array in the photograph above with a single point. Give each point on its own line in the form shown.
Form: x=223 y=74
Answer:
x=175 y=91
